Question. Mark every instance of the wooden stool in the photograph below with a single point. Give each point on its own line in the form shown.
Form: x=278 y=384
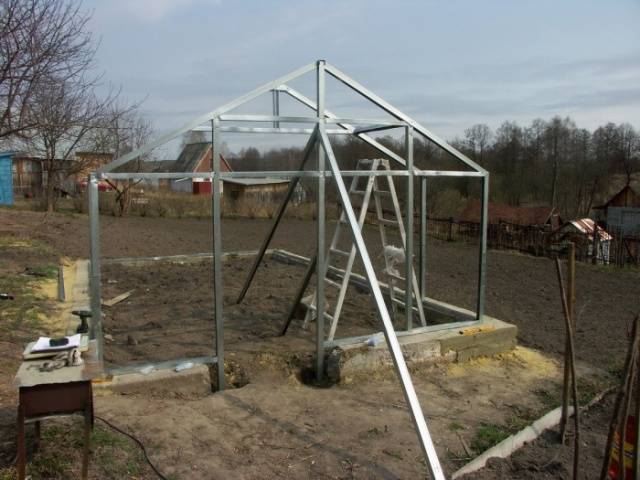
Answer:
x=43 y=401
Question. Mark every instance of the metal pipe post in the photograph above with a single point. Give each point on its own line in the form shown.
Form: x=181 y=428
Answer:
x=423 y=238
x=482 y=267
x=275 y=97
x=217 y=251
x=321 y=224
x=408 y=261
x=94 y=236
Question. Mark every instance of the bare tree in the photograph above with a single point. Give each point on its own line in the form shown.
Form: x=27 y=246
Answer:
x=68 y=111
x=39 y=40
x=628 y=150
x=477 y=139
x=123 y=130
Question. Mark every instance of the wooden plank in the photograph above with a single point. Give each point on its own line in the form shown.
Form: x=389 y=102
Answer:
x=118 y=299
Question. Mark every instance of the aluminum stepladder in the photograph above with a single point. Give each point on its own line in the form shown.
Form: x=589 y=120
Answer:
x=393 y=276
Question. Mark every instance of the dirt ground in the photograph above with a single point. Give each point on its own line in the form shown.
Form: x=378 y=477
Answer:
x=159 y=323
x=277 y=426
x=520 y=289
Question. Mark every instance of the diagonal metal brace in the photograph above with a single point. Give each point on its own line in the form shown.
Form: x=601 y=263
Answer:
x=274 y=225
x=426 y=443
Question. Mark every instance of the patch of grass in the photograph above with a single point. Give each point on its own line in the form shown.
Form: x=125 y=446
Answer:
x=455 y=426
x=112 y=455
x=549 y=400
x=487 y=435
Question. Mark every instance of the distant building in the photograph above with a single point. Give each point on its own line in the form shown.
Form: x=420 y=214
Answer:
x=621 y=214
x=581 y=233
x=540 y=216
x=195 y=158
x=6 y=179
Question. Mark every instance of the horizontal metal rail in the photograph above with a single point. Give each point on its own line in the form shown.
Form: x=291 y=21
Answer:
x=310 y=119
x=284 y=174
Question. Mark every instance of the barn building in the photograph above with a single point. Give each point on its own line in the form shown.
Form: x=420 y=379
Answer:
x=621 y=214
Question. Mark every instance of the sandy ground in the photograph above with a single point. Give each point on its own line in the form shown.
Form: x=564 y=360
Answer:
x=276 y=427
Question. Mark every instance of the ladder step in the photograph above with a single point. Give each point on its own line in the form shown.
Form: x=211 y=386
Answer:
x=401 y=302
x=337 y=251
x=365 y=161
x=333 y=283
x=358 y=192
x=326 y=315
x=390 y=223
x=385 y=193
x=396 y=277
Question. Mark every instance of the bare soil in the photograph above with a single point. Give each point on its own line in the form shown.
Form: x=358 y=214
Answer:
x=277 y=426
x=520 y=289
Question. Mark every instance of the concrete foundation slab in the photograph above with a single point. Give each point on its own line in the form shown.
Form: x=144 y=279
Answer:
x=347 y=361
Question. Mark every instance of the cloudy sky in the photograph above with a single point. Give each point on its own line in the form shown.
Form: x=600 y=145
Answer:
x=449 y=64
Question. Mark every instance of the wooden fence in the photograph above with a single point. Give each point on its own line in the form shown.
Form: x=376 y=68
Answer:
x=623 y=250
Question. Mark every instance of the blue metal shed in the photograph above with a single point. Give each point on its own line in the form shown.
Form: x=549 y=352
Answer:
x=6 y=179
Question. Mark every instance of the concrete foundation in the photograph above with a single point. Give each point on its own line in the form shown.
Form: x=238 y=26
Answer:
x=349 y=359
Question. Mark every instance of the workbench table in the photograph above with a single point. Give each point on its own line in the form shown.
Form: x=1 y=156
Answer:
x=64 y=391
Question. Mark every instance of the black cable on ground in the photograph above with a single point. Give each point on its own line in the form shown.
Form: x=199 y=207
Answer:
x=140 y=444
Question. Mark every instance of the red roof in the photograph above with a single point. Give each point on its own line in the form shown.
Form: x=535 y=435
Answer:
x=507 y=213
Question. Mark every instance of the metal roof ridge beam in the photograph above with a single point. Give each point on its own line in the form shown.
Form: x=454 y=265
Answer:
x=363 y=136
x=207 y=116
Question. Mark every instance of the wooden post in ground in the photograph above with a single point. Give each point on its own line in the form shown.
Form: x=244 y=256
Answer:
x=567 y=371
x=574 y=379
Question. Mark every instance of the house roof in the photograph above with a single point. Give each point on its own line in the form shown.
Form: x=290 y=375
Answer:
x=586 y=226
x=507 y=213
x=255 y=181
x=192 y=155
x=627 y=197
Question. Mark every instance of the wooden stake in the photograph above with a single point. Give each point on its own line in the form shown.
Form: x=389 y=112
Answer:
x=567 y=372
x=574 y=379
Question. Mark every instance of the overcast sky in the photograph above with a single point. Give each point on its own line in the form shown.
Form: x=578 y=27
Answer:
x=449 y=64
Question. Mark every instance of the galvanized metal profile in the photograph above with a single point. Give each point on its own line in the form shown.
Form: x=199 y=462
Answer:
x=423 y=238
x=281 y=130
x=207 y=117
x=94 y=279
x=426 y=443
x=275 y=99
x=217 y=251
x=362 y=90
x=482 y=267
x=331 y=117
x=408 y=261
x=321 y=221
x=282 y=174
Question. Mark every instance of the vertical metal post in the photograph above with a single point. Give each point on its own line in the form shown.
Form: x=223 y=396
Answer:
x=482 y=268
x=408 y=270
x=320 y=255
x=423 y=238
x=275 y=98
x=94 y=280
x=217 y=250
